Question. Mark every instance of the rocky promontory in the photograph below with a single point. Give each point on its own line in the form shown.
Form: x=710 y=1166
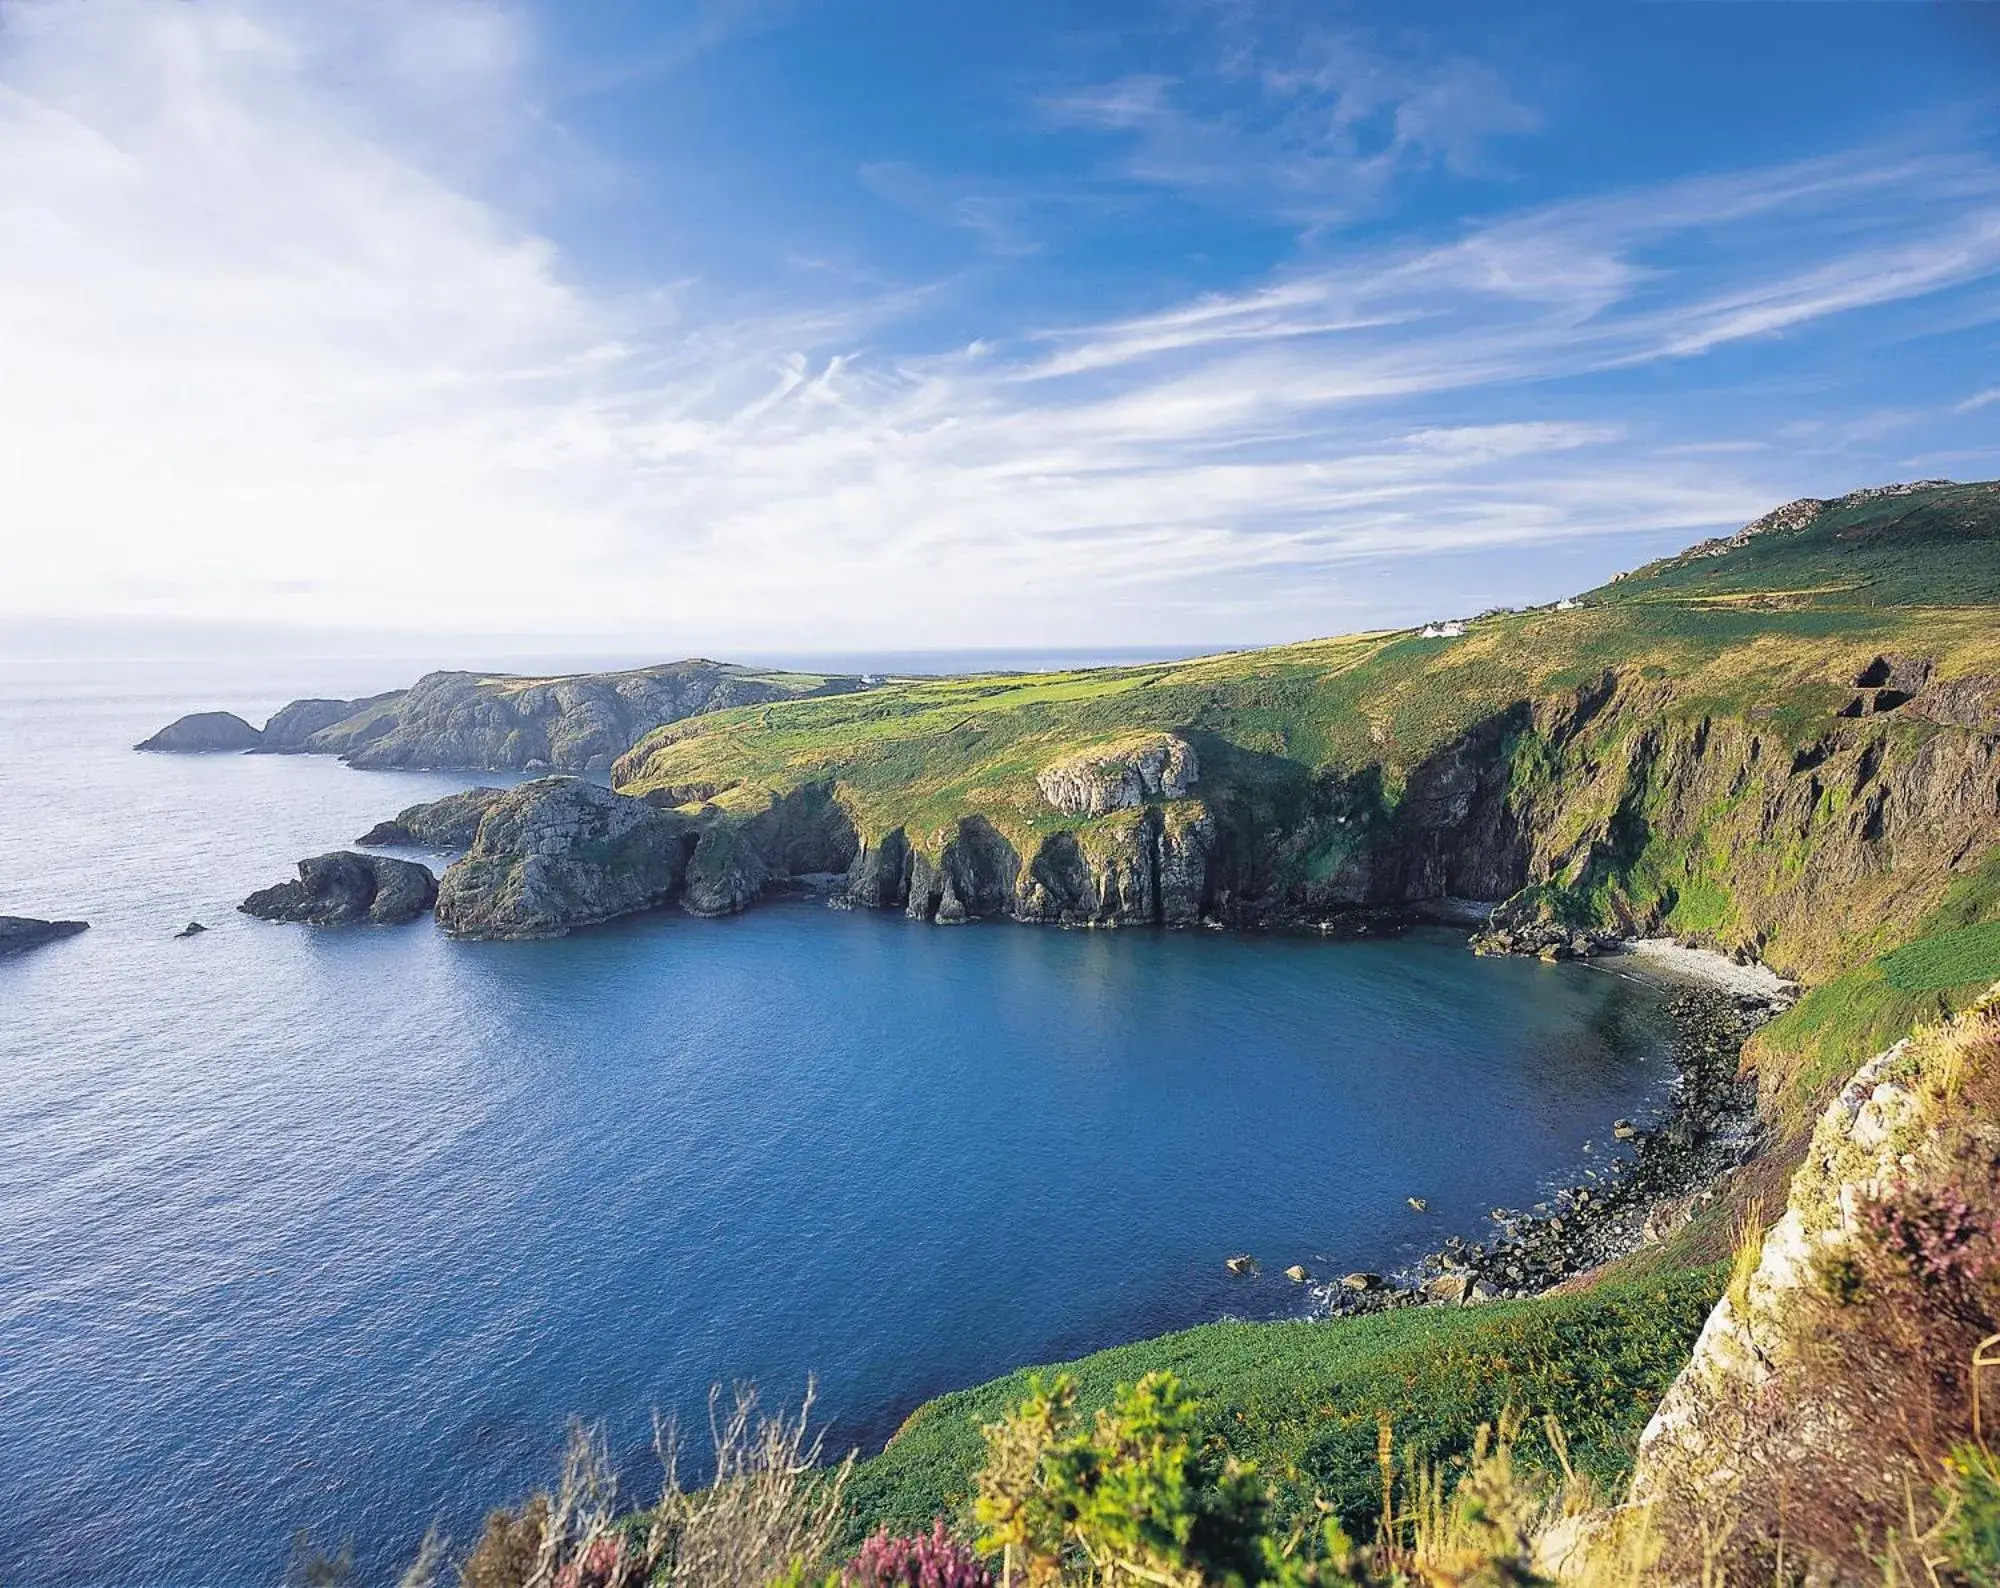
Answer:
x=559 y=853
x=203 y=733
x=579 y=722
x=449 y=823
x=344 y=887
x=18 y=933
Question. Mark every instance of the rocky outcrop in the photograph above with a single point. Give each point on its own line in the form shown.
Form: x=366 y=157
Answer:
x=725 y=873
x=449 y=823
x=1120 y=775
x=343 y=888
x=1874 y=1268
x=559 y=853
x=19 y=933
x=203 y=733
x=291 y=728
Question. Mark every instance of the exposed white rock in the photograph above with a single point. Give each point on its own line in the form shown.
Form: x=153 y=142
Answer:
x=1121 y=775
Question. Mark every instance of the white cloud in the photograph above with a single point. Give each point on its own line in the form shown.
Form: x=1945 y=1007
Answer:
x=276 y=347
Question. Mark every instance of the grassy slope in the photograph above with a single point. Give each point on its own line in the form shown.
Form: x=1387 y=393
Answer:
x=924 y=752
x=1304 y=1400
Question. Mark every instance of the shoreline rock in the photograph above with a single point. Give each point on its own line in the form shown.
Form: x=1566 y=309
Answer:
x=343 y=887
x=19 y=933
x=1712 y=1128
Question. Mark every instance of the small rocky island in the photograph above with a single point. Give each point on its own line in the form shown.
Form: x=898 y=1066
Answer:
x=19 y=933
x=204 y=733
x=336 y=889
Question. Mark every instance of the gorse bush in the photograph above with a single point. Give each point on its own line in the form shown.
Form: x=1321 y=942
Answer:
x=1128 y=1495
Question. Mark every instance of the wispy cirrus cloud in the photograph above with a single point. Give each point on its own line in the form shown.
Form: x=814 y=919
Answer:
x=279 y=346
x=1309 y=123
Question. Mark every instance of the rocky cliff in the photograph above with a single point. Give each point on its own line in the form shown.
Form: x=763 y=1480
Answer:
x=291 y=728
x=1785 y=745
x=1833 y=1379
x=559 y=853
x=343 y=888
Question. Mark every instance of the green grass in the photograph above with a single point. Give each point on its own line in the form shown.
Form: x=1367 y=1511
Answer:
x=1303 y=1399
x=1949 y=961
x=1963 y=958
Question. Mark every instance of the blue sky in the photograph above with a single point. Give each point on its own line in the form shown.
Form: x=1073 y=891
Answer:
x=751 y=325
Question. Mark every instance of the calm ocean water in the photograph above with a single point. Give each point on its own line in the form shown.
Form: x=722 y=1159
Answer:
x=335 y=1230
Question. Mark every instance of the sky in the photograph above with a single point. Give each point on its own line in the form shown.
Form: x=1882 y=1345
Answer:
x=745 y=326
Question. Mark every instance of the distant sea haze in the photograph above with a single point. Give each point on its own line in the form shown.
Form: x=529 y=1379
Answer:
x=334 y=1230
x=325 y=662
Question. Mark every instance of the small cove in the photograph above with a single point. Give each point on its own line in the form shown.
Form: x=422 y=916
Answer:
x=335 y=1230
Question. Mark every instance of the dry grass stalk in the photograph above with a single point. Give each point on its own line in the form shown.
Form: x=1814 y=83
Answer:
x=768 y=1508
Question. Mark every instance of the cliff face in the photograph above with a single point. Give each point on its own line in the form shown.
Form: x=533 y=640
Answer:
x=1618 y=806
x=1624 y=806
x=1831 y=1380
x=290 y=728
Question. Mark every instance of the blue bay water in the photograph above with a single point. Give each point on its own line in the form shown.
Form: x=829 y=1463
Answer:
x=335 y=1230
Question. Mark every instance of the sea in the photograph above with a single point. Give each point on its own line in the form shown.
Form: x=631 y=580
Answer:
x=331 y=1234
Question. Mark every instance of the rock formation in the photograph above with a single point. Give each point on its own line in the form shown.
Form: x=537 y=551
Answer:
x=1121 y=775
x=19 y=933
x=725 y=874
x=559 y=853
x=449 y=823
x=203 y=733
x=344 y=887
